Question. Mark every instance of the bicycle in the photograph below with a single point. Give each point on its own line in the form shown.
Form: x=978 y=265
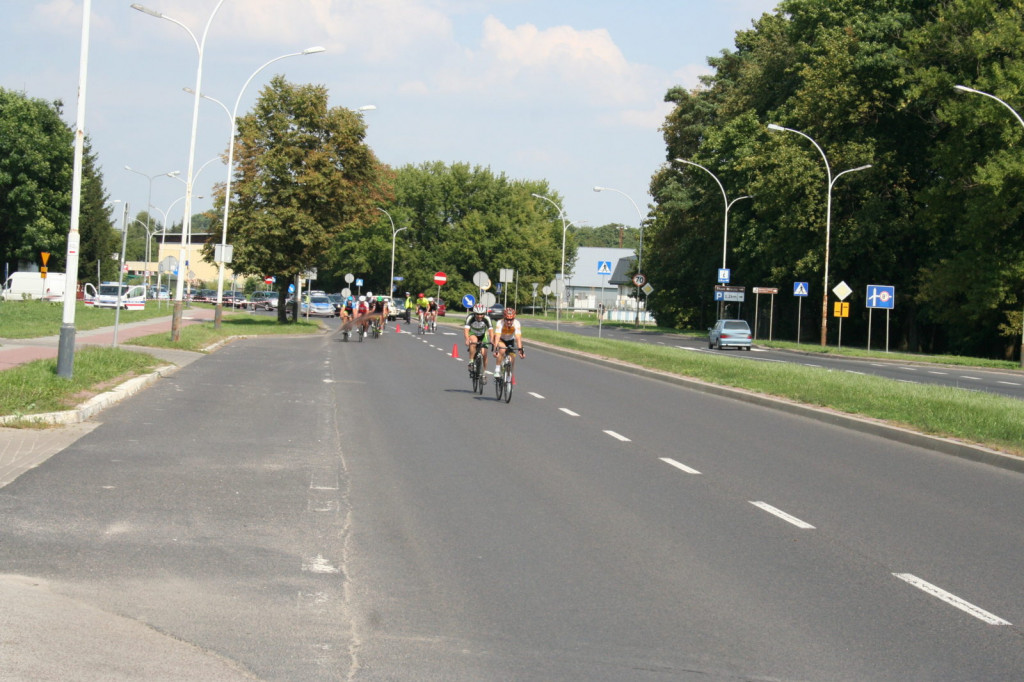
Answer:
x=422 y=329
x=504 y=380
x=476 y=370
x=375 y=327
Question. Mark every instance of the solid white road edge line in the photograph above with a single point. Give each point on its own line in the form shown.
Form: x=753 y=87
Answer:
x=951 y=599
x=782 y=515
x=678 y=465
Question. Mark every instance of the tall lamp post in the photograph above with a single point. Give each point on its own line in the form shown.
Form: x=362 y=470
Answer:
x=149 y=202
x=640 y=252
x=66 y=342
x=728 y=205
x=394 y=236
x=187 y=226
x=561 y=214
x=163 y=236
x=828 y=220
x=233 y=116
x=964 y=88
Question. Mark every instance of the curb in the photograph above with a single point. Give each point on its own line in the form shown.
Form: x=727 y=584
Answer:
x=948 y=446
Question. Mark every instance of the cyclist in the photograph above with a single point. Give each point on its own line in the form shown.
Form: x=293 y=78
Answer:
x=382 y=308
x=432 y=313
x=422 y=305
x=363 y=314
x=507 y=334
x=478 y=330
x=347 y=309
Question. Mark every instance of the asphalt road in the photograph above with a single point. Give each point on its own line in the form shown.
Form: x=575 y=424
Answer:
x=1006 y=383
x=312 y=509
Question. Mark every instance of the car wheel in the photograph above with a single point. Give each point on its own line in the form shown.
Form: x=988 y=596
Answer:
x=720 y=346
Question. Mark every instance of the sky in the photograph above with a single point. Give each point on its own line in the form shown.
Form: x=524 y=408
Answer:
x=567 y=91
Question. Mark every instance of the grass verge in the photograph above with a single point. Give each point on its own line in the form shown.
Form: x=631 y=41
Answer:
x=994 y=421
x=32 y=319
x=196 y=337
x=34 y=387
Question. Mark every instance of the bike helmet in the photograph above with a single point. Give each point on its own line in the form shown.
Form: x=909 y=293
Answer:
x=479 y=309
x=510 y=313
x=431 y=299
x=362 y=299
x=380 y=298
x=420 y=296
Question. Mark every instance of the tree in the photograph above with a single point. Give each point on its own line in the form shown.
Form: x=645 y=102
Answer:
x=460 y=220
x=304 y=175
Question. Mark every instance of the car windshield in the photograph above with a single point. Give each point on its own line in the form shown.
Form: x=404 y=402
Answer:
x=320 y=300
x=735 y=324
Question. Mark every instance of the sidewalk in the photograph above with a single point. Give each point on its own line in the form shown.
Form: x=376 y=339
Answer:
x=23 y=449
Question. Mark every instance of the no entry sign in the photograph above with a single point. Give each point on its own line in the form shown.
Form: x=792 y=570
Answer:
x=440 y=278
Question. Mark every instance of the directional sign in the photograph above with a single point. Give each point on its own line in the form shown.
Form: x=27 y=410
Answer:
x=766 y=290
x=440 y=278
x=723 y=275
x=799 y=288
x=881 y=296
x=730 y=296
x=840 y=309
x=468 y=301
x=604 y=267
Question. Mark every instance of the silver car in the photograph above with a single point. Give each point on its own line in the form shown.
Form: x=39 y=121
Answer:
x=725 y=333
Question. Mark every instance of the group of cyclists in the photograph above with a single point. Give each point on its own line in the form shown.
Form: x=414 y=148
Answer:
x=426 y=310
x=506 y=335
x=365 y=311
x=479 y=329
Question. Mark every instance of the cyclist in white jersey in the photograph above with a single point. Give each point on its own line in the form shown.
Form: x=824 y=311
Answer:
x=507 y=334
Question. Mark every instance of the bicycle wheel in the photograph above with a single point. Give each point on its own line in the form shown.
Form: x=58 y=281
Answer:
x=481 y=372
x=499 y=380
x=474 y=374
x=508 y=382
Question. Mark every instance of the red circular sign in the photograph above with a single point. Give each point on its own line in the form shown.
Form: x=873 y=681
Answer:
x=440 y=278
x=268 y=280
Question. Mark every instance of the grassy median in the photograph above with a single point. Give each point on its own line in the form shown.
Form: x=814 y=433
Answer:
x=985 y=418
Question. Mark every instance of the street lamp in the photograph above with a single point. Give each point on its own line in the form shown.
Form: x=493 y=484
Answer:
x=828 y=220
x=394 y=235
x=149 y=201
x=187 y=225
x=233 y=116
x=163 y=237
x=964 y=88
x=640 y=253
x=728 y=205
x=565 y=226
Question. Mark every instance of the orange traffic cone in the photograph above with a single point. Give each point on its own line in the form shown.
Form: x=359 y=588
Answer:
x=398 y=328
x=455 y=351
x=513 y=379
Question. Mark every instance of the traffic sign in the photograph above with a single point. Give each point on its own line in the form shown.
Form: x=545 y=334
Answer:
x=842 y=290
x=723 y=275
x=440 y=278
x=481 y=279
x=349 y=277
x=881 y=296
x=268 y=280
x=799 y=288
x=359 y=282
x=639 y=279
x=766 y=290
x=841 y=309
x=604 y=267
x=468 y=301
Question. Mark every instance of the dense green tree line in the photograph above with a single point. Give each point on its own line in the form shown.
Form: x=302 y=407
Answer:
x=36 y=168
x=938 y=215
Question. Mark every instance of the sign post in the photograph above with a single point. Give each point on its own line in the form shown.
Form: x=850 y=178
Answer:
x=880 y=296
x=842 y=309
x=800 y=290
x=439 y=279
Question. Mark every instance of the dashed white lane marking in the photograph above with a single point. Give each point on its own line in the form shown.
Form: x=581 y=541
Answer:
x=535 y=395
x=932 y=371
x=951 y=599
x=964 y=376
x=782 y=515
x=1009 y=383
x=319 y=564
x=680 y=466
x=619 y=436
x=568 y=411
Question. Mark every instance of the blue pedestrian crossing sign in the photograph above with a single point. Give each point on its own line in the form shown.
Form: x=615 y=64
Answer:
x=799 y=288
x=604 y=267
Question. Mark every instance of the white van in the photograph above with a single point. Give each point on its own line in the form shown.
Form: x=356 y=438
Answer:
x=133 y=296
x=22 y=285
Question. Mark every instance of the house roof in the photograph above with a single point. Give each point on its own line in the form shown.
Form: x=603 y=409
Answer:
x=620 y=275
